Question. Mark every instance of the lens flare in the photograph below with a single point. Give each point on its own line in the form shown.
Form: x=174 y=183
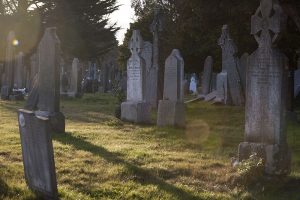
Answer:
x=15 y=42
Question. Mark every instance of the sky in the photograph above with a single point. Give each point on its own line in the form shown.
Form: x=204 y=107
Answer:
x=122 y=17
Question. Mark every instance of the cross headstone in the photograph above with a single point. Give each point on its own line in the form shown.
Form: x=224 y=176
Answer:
x=37 y=152
x=230 y=65
x=171 y=110
x=136 y=109
x=265 y=105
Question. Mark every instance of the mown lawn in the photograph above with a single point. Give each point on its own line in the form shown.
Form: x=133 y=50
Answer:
x=100 y=157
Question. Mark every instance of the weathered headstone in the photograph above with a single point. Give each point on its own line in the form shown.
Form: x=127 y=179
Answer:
x=19 y=72
x=230 y=65
x=171 y=110
x=242 y=67
x=265 y=132
x=37 y=151
x=45 y=95
x=74 y=85
x=222 y=93
x=206 y=77
x=297 y=80
x=136 y=109
x=151 y=75
x=8 y=80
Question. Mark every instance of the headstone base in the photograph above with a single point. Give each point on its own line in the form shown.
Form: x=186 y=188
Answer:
x=171 y=113
x=276 y=158
x=136 y=112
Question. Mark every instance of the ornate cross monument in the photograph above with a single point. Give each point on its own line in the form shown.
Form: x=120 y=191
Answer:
x=136 y=109
x=265 y=97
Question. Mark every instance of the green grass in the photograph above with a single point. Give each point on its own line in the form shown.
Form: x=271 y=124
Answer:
x=100 y=157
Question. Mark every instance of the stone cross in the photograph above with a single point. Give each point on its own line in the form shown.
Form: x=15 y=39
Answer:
x=230 y=65
x=136 y=69
x=266 y=93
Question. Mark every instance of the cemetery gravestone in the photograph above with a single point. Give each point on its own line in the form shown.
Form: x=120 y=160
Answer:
x=45 y=96
x=74 y=85
x=230 y=65
x=8 y=80
x=136 y=109
x=206 y=77
x=19 y=77
x=37 y=152
x=265 y=106
x=171 y=110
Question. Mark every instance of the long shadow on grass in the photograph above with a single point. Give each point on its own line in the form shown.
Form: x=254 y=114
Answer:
x=3 y=189
x=143 y=176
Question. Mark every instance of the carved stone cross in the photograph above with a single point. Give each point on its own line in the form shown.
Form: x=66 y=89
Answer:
x=157 y=25
x=267 y=23
x=136 y=42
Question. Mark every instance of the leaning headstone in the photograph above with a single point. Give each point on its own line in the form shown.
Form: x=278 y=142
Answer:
x=230 y=65
x=8 y=80
x=37 y=152
x=45 y=95
x=136 y=109
x=19 y=71
x=171 y=110
x=242 y=68
x=297 y=80
x=265 y=132
x=206 y=77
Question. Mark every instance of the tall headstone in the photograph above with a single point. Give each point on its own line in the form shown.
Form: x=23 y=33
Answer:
x=74 y=85
x=19 y=72
x=242 y=67
x=136 y=109
x=157 y=71
x=297 y=80
x=265 y=132
x=171 y=110
x=8 y=78
x=45 y=95
x=37 y=153
x=206 y=77
x=230 y=65
x=151 y=74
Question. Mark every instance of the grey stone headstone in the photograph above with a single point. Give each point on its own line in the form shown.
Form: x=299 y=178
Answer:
x=19 y=77
x=74 y=77
x=230 y=65
x=136 y=109
x=213 y=84
x=38 y=157
x=242 y=67
x=222 y=95
x=151 y=75
x=8 y=80
x=174 y=77
x=49 y=73
x=171 y=110
x=136 y=70
x=265 y=105
x=207 y=75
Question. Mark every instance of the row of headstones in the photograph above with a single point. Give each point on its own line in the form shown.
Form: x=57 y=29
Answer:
x=140 y=92
x=264 y=85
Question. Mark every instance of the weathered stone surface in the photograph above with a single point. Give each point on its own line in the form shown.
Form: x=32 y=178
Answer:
x=34 y=69
x=37 y=151
x=211 y=96
x=213 y=84
x=171 y=113
x=136 y=112
x=8 y=80
x=136 y=109
x=19 y=72
x=242 y=68
x=75 y=82
x=265 y=92
x=230 y=65
x=150 y=75
x=174 y=77
x=171 y=110
x=207 y=76
x=222 y=96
